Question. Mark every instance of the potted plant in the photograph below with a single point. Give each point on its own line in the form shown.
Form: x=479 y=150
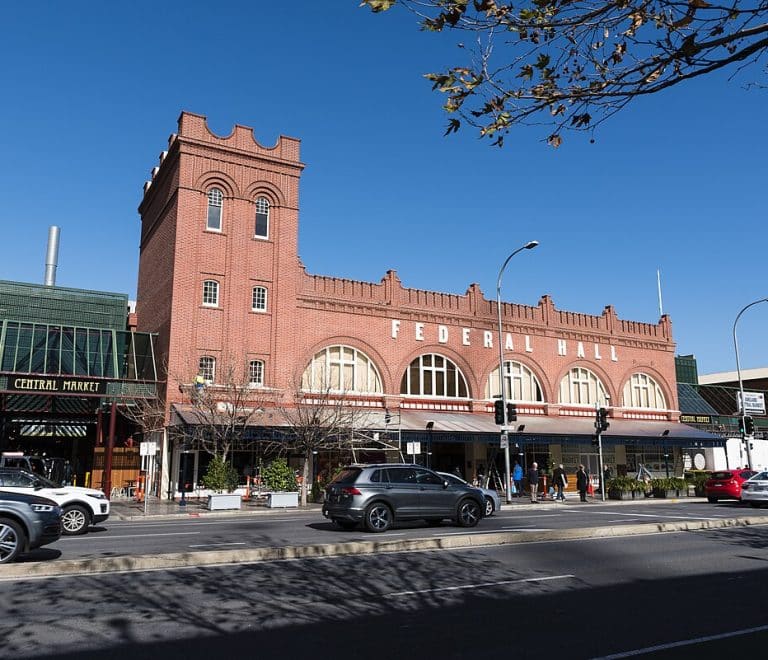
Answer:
x=221 y=478
x=280 y=481
x=621 y=488
x=680 y=486
x=664 y=487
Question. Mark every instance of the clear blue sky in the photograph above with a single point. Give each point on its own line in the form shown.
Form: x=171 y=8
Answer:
x=677 y=183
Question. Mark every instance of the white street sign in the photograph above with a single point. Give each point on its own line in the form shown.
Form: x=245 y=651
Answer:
x=754 y=402
x=147 y=448
x=413 y=448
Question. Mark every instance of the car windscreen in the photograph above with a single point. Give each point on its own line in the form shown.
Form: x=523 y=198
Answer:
x=347 y=476
x=721 y=475
x=760 y=476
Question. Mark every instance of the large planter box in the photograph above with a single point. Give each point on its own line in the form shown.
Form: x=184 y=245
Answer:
x=223 y=501
x=619 y=495
x=664 y=493
x=282 y=500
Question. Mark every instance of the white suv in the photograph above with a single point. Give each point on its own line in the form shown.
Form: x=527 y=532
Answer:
x=81 y=507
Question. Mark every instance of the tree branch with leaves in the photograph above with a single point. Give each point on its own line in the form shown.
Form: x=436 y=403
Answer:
x=570 y=65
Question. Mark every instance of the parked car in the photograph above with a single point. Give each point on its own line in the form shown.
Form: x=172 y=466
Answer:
x=378 y=495
x=755 y=490
x=726 y=484
x=26 y=522
x=81 y=507
x=17 y=459
x=492 y=499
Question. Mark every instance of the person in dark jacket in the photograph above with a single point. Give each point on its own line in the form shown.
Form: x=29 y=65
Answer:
x=559 y=481
x=533 y=482
x=582 y=483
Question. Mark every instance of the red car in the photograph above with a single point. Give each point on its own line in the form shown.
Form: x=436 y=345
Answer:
x=726 y=484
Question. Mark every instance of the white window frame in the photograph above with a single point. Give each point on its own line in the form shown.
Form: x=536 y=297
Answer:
x=257 y=293
x=256 y=373
x=431 y=373
x=206 y=367
x=210 y=293
x=324 y=366
x=215 y=200
x=518 y=380
x=640 y=389
x=263 y=207
x=582 y=387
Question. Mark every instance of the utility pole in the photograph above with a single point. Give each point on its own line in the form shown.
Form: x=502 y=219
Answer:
x=601 y=424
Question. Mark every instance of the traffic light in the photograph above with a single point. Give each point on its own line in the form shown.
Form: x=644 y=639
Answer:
x=749 y=425
x=511 y=412
x=498 y=412
x=602 y=420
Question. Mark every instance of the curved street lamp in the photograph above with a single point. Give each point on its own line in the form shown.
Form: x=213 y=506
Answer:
x=507 y=484
x=738 y=373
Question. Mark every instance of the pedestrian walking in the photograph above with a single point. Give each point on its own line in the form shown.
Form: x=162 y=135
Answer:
x=517 y=478
x=582 y=482
x=533 y=482
x=66 y=474
x=560 y=482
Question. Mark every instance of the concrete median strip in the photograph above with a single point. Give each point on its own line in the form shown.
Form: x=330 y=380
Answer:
x=70 y=567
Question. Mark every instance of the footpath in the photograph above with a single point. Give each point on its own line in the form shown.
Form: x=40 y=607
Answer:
x=159 y=510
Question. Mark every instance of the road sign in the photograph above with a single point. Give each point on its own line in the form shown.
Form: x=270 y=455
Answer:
x=504 y=443
x=413 y=448
x=147 y=448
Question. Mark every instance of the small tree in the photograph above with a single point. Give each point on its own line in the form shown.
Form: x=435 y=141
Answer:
x=220 y=476
x=318 y=419
x=279 y=476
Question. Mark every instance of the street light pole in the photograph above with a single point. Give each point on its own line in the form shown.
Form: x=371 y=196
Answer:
x=741 y=384
x=504 y=435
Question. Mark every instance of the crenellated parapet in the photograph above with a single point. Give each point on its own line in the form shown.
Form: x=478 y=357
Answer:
x=242 y=138
x=390 y=298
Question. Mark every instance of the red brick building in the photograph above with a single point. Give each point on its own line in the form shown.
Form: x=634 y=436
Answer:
x=220 y=277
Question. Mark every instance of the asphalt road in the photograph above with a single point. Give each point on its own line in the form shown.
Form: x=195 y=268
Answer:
x=682 y=595
x=189 y=535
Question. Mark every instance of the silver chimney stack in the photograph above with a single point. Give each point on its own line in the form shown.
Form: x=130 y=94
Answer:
x=52 y=256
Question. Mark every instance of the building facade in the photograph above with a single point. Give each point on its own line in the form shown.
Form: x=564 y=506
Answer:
x=221 y=283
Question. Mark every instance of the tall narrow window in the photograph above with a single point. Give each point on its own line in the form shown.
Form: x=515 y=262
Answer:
x=256 y=373
x=642 y=391
x=215 y=201
x=259 y=299
x=582 y=387
x=262 y=218
x=211 y=293
x=207 y=368
x=520 y=384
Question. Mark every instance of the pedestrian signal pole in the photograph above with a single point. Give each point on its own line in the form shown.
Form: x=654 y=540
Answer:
x=601 y=424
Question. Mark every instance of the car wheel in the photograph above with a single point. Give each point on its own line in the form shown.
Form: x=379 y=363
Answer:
x=12 y=540
x=489 y=508
x=345 y=524
x=378 y=517
x=712 y=500
x=74 y=520
x=468 y=513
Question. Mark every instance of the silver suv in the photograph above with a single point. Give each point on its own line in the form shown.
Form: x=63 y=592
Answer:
x=380 y=494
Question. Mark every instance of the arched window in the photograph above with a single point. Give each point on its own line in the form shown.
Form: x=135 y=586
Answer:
x=259 y=299
x=342 y=369
x=211 y=293
x=582 y=387
x=215 y=202
x=256 y=373
x=207 y=368
x=519 y=383
x=434 y=375
x=642 y=391
x=262 y=218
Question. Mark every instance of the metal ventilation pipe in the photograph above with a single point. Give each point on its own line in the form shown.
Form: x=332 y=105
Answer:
x=52 y=256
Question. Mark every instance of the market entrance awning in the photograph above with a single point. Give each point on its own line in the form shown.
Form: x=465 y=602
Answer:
x=468 y=427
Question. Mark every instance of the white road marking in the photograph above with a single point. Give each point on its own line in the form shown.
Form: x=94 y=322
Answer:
x=684 y=642
x=93 y=537
x=478 y=585
x=493 y=531
x=185 y=521
x=650 y=515
x=211 y=545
